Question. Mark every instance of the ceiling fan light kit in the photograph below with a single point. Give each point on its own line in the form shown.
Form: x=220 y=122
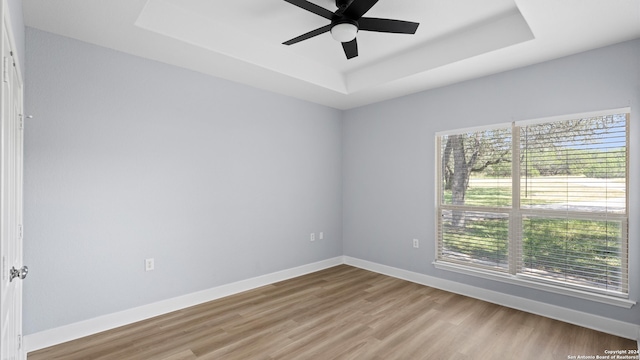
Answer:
x=347 y=21
x=344 y=31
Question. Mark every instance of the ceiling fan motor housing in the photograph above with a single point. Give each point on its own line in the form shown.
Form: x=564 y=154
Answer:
x=343 y=20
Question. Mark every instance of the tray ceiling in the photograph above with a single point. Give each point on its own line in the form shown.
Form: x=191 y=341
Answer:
x=241 y=40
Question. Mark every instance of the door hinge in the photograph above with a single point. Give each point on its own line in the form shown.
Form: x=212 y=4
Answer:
x=19 y=342
x=20 y=121
x=20 y=232
x=4 y=268
x=5 y=70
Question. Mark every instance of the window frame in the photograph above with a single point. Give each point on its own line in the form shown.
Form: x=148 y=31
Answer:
x=516 y=215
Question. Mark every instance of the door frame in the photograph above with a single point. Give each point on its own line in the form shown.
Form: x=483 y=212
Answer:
x=11 y=185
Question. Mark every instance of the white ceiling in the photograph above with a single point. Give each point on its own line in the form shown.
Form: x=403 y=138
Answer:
x=241 y=40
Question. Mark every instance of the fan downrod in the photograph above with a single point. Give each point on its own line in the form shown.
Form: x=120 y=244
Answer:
x=341 y=4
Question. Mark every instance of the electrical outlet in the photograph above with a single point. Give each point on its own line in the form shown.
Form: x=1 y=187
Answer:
x=313 y=237
x=321 y=235
x=416 y=243
x=149 y=264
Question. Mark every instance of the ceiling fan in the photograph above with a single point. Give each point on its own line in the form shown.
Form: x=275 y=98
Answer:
x=348 y=20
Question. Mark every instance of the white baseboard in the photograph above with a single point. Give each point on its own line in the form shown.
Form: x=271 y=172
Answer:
x=595 y=322
x=88 y=327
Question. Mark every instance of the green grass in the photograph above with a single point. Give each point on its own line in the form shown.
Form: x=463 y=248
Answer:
x=577 y=248
x=574 y=250
x=485 y=240
x=484 y=196
x=580 y=251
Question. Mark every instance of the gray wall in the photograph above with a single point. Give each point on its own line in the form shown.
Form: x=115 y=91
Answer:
x=127 y=159
x=389 y=157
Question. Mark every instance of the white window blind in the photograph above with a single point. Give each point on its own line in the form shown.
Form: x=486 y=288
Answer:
x=476 y=192
x=573 y=198
x=546 y=202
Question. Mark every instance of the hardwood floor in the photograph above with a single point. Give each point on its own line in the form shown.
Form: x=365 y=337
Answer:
x=342 y=313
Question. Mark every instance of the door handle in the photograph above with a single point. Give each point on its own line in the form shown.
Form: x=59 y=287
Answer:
x=21 y=273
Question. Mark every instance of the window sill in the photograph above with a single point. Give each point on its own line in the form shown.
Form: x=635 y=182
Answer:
x=517 y=280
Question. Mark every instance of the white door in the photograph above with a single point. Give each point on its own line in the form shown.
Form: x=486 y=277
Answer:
x=11 y=125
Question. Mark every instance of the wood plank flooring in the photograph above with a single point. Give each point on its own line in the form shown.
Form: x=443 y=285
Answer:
x=341 y=313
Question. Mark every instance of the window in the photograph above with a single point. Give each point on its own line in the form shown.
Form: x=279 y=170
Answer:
x=540 y=203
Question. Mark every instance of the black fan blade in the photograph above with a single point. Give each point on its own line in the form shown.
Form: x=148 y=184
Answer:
x=358 y=8
x=308 y=35
x=312 y=7
x=350 y=48
x=388 y=25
